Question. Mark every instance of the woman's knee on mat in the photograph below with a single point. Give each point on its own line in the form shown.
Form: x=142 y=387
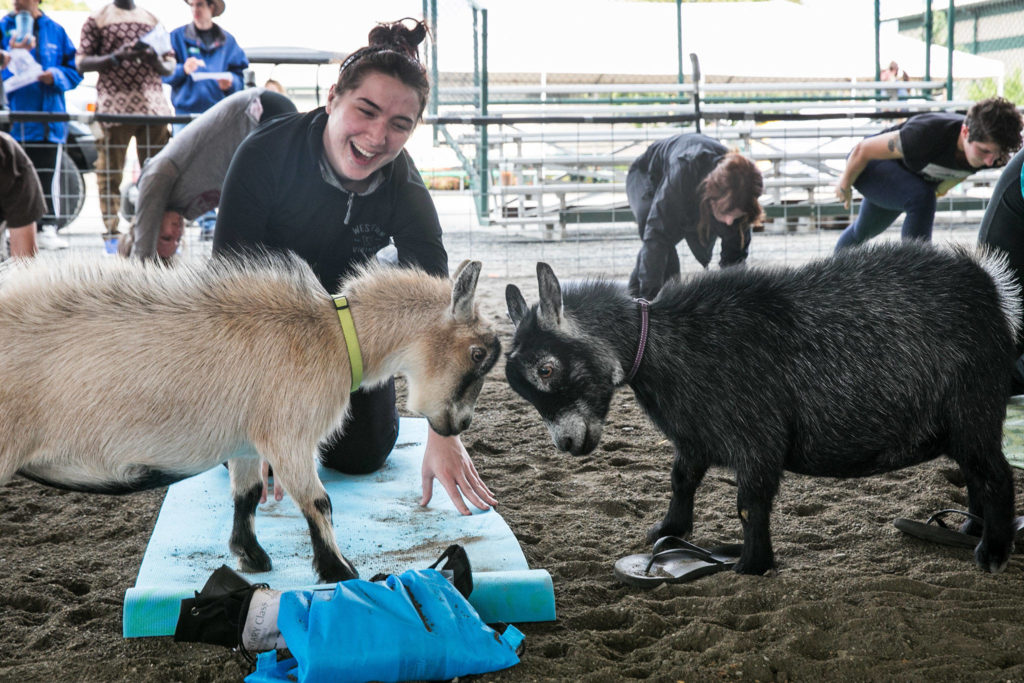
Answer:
x=362 y=448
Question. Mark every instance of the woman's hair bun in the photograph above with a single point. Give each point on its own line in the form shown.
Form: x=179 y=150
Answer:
x=398 y=36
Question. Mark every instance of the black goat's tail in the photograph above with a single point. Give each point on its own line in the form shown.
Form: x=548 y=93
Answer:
x=997 y=264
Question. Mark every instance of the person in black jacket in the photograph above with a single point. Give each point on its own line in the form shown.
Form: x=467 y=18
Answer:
x=335 y=186
x=1002 y=228
x=690 y=187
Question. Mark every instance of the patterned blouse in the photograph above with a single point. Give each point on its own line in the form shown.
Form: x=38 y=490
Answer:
x=133 y=86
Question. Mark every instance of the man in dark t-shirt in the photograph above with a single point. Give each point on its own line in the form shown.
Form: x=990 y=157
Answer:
x=904 y=168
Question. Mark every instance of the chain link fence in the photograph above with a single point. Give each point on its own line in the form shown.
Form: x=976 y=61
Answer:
x=543 y=156
x=527 y=165
x=986 y=36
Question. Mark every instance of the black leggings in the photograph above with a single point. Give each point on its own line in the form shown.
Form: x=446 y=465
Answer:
x=368 y=435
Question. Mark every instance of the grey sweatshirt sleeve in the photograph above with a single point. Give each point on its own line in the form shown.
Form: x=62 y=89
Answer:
x=155 y=187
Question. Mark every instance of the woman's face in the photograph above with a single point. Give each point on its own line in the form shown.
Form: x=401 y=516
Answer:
x=722 y=209
x=171 y=230
x=368 y=127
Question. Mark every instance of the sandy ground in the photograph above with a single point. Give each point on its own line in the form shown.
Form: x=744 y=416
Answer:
x=852 y=598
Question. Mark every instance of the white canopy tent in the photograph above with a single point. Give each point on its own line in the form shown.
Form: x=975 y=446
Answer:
x=604 y=40
x=779 y=40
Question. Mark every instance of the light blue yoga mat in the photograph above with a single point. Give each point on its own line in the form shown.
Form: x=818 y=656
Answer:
x=380 y=525
x=1013 y=432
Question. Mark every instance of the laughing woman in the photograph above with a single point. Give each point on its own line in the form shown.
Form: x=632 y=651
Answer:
x=335 y=185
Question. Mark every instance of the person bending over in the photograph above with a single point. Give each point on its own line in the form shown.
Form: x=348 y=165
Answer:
x=690 y=187
x=184 y=181
x=906 y=167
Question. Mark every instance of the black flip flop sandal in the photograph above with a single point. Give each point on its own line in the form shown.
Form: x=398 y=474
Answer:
x=936 y=530
x=674 y=560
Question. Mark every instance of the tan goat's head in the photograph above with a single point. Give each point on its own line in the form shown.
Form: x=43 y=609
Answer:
x=449 y=364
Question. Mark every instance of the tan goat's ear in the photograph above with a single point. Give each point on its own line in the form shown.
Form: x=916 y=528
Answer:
x=466 y=277
x=549 y=313
x=459 y=268
x=517 y=308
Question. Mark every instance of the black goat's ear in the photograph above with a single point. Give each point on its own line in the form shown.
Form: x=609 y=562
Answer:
x=549 y=313
x=517 y=307
x=463 y=290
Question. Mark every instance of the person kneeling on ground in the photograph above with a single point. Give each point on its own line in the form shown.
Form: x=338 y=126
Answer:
x=1003 y=228
x=21 y=198
x=690 y=187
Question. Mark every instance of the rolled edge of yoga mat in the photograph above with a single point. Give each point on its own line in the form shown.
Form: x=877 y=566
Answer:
x=152 y=611
x=513 y=596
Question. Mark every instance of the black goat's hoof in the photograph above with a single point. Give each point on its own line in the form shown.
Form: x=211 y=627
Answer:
x=989 y=561
x=662 y=529
x=336 y=570
x=252 y=562
x=754 y=568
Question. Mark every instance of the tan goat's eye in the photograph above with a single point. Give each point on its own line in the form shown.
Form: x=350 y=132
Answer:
x=545 y=371
x=478 y=354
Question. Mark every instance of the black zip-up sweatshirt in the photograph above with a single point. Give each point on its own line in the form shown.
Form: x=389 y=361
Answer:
x=275 y=196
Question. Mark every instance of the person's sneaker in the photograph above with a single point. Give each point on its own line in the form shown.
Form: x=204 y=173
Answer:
x=48 y=238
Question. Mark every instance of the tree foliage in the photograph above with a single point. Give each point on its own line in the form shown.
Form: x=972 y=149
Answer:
x=51 y=5
x=1013 y=88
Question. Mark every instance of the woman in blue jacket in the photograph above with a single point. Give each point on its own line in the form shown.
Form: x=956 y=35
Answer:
x=43 y=141
x=203 y=46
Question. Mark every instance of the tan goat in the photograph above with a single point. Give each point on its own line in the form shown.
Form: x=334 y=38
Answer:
x=119 y=376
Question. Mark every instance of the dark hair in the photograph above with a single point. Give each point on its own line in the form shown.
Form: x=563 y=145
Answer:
x=392 y=50
x=997 y=120
x=736 y=177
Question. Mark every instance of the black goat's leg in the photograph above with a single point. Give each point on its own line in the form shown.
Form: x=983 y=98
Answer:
x=246 y=489
x=990 y=496
x=687 y=473
x=757 y=486
x=299 y=477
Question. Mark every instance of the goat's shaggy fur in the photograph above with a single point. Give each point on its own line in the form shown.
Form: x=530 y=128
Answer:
x=119 y=375
x=875 y=359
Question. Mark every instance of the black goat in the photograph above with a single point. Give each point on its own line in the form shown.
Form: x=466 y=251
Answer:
x=872 y=360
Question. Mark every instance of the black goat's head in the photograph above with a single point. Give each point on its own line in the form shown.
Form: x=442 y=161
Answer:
x=567 y=375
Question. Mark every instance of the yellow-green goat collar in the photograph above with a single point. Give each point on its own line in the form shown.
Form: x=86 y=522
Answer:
x=348 y=328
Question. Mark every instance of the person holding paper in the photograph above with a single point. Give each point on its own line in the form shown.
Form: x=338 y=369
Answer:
x=41 y=70
x=131 y=51
x=210 y=62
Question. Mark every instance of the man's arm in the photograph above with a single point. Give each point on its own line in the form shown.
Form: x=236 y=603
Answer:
x=23 y=241
x=106 y=62
x=885 y=146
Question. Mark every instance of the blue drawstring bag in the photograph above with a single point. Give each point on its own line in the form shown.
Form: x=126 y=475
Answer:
x=415 y=626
